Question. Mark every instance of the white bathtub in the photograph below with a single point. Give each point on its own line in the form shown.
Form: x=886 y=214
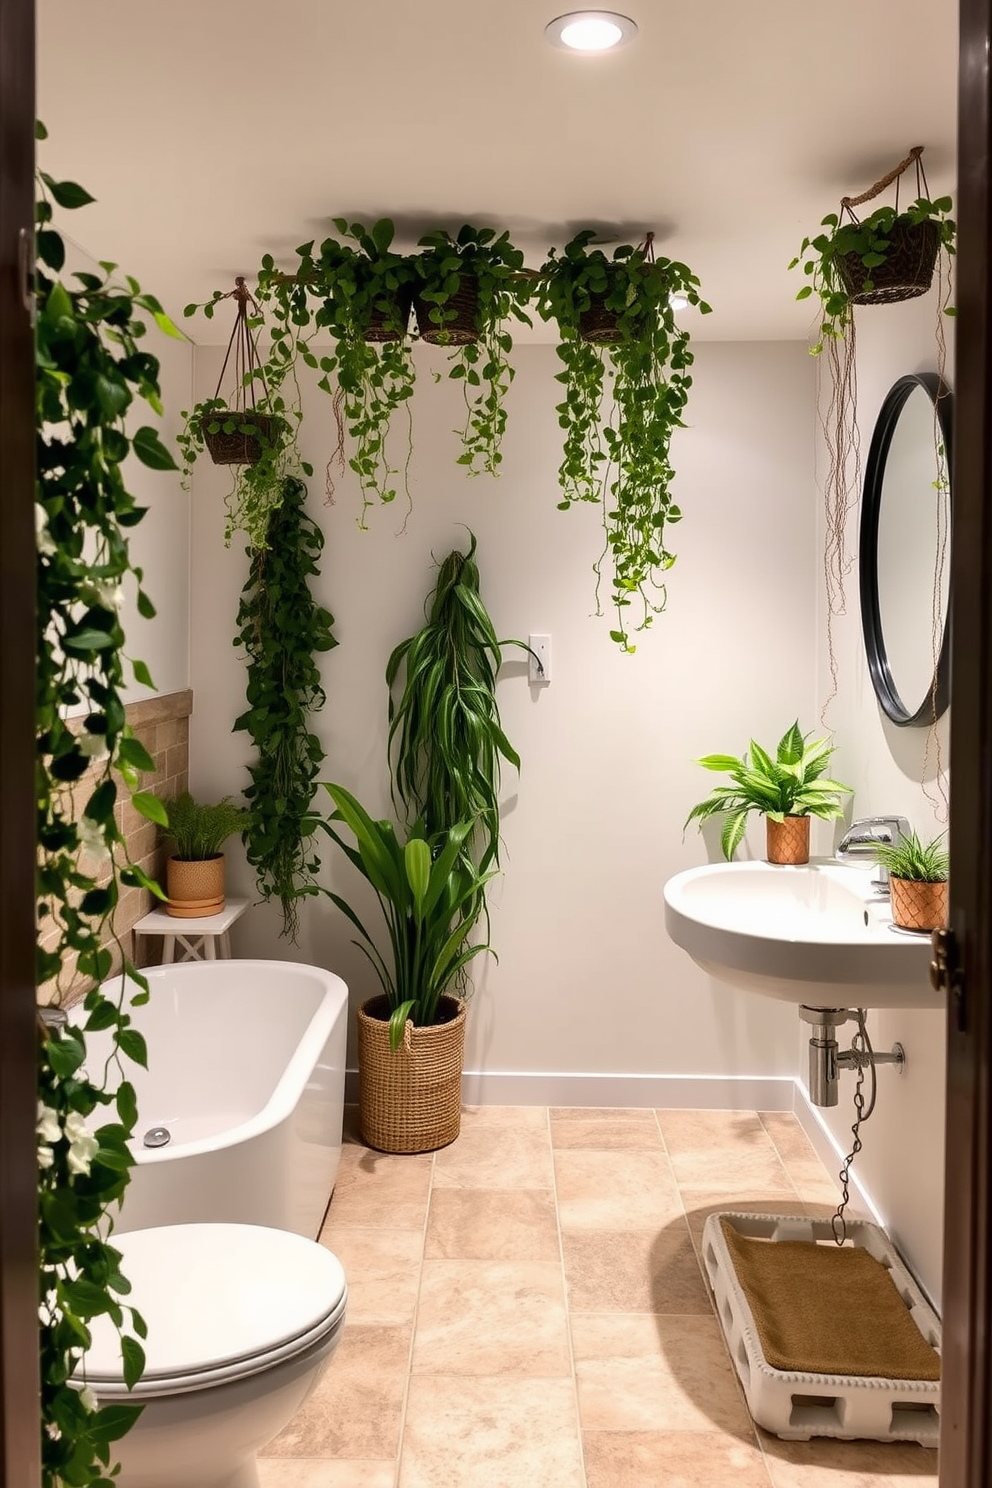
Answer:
x=246 y=1073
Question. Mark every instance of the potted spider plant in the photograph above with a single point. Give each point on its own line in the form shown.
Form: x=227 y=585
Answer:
x=194 y=871
x=786 y=789
x=411 y=1037
x=917 y=881
x=616 y=325
x=469 y=287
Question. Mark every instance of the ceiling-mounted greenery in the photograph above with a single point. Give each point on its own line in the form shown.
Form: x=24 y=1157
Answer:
x=470 y=286
x=360 y=292
x=619 y=334
x=281 y=628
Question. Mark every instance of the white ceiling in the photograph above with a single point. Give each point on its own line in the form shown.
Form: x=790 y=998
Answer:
x=212 y=132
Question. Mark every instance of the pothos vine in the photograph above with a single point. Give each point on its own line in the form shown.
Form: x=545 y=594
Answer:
x=91 y=371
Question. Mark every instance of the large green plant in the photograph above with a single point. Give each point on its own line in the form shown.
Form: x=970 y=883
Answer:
x=431 y=898
x=445 y=738
x=622 y=460
x=281 y=627
x=476 y=258
x=790 y=784
x=92 y=374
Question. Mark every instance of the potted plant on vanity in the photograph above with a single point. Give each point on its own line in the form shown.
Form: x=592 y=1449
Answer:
x=917 y=881
x=787 y=789
x=194 y=873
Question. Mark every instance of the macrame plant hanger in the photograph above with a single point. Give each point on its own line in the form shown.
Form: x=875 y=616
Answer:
x=912 y=252
x=239 y=434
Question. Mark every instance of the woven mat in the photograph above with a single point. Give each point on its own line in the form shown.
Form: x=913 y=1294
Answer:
x=826 y=1309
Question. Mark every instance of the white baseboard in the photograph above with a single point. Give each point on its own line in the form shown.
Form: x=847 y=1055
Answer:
x=664 y=1092
x=828 y=1149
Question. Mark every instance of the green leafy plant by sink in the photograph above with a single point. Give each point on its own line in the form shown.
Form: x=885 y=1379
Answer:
x=916 y=861
x=792 y=783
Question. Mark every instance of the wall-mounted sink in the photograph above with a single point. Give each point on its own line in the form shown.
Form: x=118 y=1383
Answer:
x=817 y=935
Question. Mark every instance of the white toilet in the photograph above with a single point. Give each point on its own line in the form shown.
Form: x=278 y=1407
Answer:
x=241 y=1323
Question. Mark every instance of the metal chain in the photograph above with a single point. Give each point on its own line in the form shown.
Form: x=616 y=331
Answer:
x=864 y=1056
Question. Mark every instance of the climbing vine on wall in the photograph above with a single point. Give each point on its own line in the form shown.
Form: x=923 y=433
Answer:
x=91 y=372
x=281 y=628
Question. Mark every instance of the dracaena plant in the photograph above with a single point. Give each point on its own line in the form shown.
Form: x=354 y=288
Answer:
x=622 y=459
x=790 y=782
x=915 y=860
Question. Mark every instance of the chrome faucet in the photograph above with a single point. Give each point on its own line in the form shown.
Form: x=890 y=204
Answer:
x=866 y=834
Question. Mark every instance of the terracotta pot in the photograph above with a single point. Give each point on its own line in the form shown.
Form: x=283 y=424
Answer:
x=787 y=841
x=195 y=886
x=410 y=1098
x=918 y=905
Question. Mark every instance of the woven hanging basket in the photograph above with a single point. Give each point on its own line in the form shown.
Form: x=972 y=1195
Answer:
x=195 y=887
x=410 y=1098
x=906 y=272
x=464 y=328
x=917 y=905
x=241 y=446
x=787 y=841
x=391 y=324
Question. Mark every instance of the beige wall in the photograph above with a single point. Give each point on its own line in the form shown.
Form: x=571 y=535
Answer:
x=587 y=980
x=902 y=1163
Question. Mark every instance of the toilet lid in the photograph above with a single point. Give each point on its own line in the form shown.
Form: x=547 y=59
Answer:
x=218 y=1295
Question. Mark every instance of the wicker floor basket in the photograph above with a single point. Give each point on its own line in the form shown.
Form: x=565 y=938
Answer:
x=240 y=447
x=410 y=1098
x=391 y=324
x=917 y=905
x=906 y=272
x=460 y=331
x=787 y=841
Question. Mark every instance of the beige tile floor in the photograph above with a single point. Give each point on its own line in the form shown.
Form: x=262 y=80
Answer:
x=527 y=1310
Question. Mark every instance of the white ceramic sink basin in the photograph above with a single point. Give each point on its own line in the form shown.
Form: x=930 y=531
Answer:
x=817 y=935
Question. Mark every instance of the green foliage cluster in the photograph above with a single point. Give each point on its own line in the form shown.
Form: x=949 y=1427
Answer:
x=921 y=862
x=622 y=461
x=445 y=738
x=91 y=372
x=199 y=831
x=869 y=241
x=281 y=629
x=430 y=896
x=790 y=784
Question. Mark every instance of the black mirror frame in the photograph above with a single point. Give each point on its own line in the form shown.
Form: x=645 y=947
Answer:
x=938 y=696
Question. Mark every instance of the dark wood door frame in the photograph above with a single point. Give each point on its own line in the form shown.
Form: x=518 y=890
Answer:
x=19 y=1444
x=966 y=1422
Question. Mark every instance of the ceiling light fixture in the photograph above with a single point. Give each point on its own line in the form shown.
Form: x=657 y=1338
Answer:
x=591 y=31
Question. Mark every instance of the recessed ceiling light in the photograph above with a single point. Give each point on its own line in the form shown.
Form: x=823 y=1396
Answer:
x=591 y=31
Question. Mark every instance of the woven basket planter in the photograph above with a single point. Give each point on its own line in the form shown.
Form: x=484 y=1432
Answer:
x=787 y=841
x=917 y=905
x=391 y=325
x=240 y=447
x=460 y=331
x=906 y=273
x=195 y=887
x=410 y=1098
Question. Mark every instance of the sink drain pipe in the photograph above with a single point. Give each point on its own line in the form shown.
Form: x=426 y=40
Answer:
x=827 y=1059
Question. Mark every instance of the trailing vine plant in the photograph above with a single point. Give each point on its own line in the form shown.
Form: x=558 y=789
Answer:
x=92 y=372
x=617 y=327
x=281 y=627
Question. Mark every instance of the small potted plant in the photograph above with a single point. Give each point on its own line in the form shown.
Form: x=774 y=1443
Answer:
x=787 y=790
x=616 y=321
x=469 y=287
x=194 y=872
x=917 y=881
x=411 y=1038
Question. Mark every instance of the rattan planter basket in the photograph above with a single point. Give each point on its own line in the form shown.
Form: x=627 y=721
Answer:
x=195 y=887
x=460 y=331
x=243 y=445
x=918 y=905
x=906 y=272
x=391 y=324
x=787 y=841
x=410 y=1098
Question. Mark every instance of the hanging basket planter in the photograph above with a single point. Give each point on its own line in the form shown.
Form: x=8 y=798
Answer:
x=598 y=325
x=461 y=316
x=237 y=433
x=907 y=271
x=235 y=437
x=391 y=324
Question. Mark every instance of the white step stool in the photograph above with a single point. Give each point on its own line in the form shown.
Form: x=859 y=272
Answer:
x=199 y=938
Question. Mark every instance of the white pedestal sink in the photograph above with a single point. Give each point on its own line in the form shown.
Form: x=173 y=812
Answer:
x=817 y=935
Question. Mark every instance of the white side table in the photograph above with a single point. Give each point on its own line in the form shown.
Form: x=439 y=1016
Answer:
x=200 y=938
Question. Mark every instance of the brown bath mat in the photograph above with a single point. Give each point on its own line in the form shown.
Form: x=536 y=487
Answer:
x=827 y=1309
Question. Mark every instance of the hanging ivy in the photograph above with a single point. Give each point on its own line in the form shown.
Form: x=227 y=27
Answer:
x=281 y=628
x=91 y=373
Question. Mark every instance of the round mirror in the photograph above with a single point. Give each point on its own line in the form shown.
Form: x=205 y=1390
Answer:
x=905 y=555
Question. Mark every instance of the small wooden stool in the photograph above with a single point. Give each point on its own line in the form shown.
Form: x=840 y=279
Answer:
x=205 y=938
